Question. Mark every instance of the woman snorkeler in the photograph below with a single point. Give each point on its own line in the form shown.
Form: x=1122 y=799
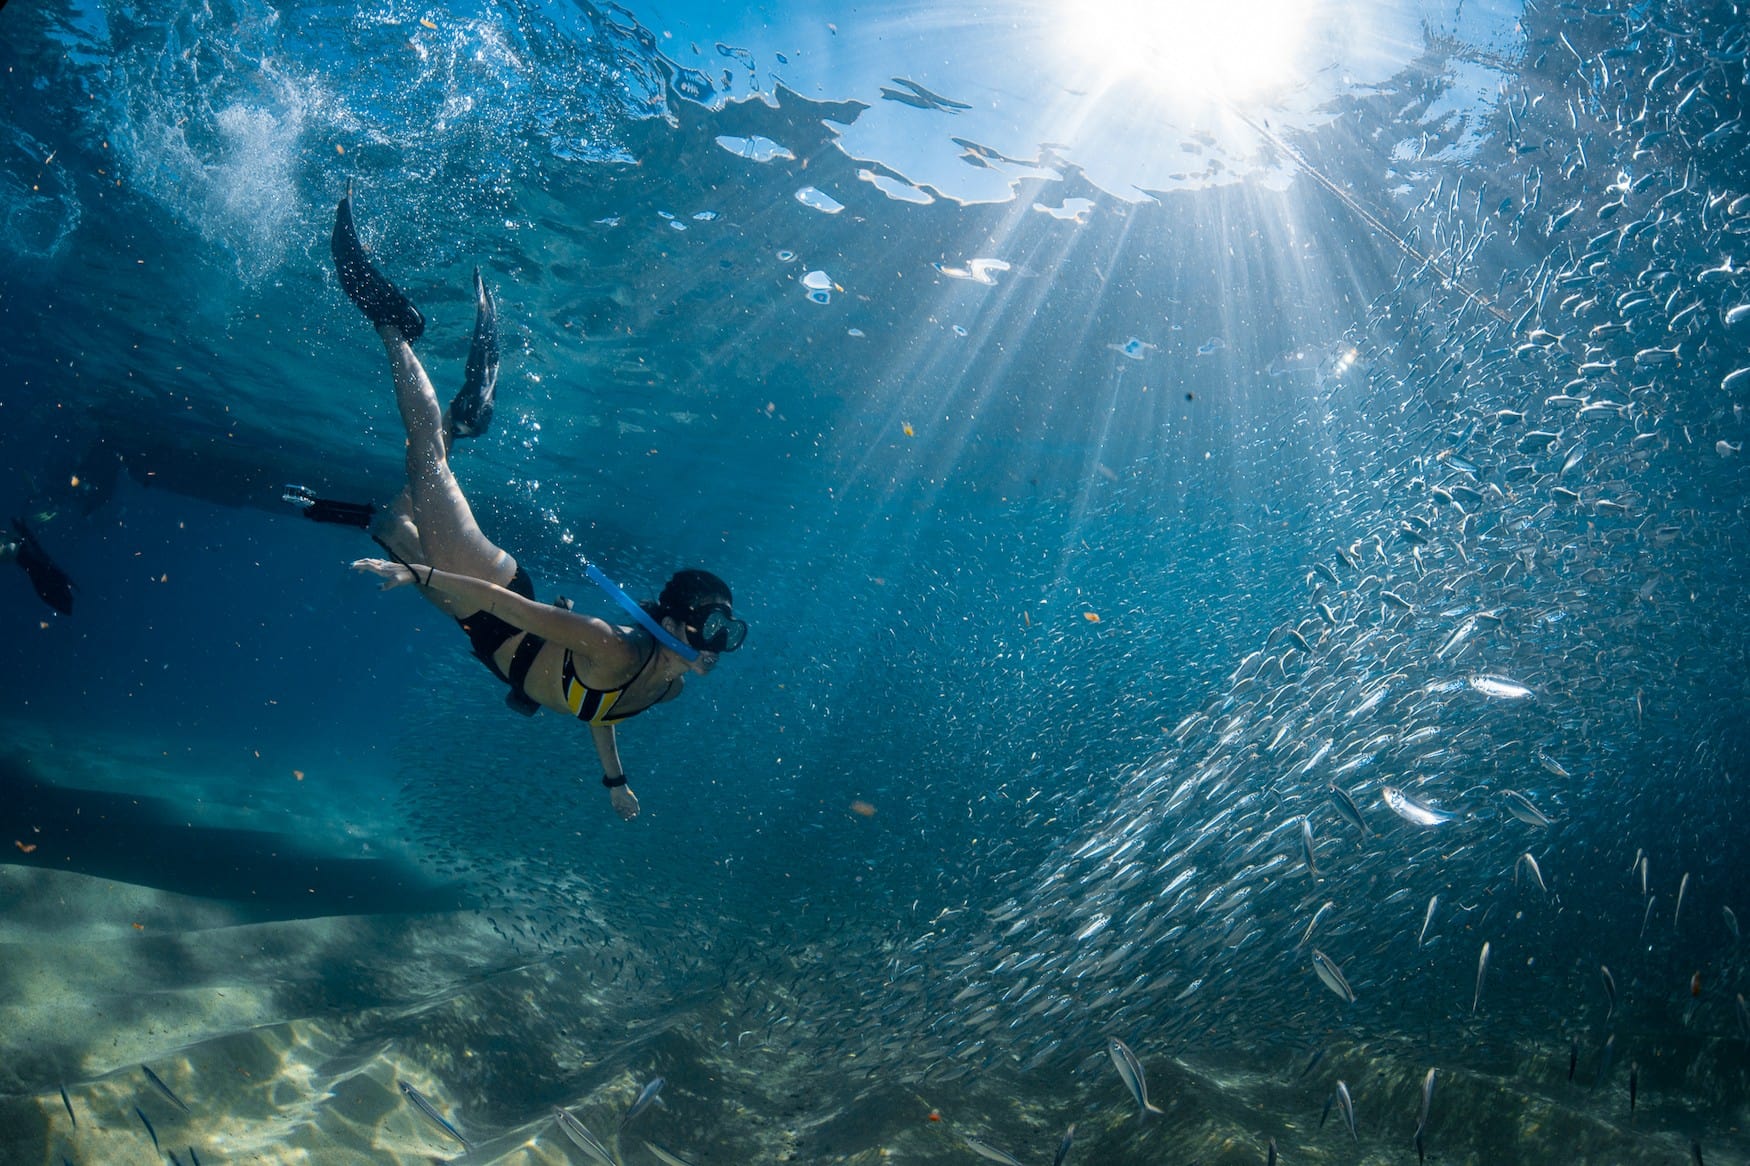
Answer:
x=551 y=657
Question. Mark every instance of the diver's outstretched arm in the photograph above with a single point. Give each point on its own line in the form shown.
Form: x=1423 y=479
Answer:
x=620 y=794
x=584 y=634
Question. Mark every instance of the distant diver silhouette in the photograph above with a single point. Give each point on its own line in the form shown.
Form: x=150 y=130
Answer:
x=53 y=585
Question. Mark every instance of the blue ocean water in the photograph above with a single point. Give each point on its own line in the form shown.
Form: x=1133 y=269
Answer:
x=1180 y=535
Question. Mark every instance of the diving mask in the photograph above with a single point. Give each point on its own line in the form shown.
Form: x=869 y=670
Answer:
x=712 y=628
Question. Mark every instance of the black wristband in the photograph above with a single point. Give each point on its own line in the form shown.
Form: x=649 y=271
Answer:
x=613 y=782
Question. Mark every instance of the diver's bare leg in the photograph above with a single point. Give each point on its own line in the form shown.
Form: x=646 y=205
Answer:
x=448 y=535
x=394 y=529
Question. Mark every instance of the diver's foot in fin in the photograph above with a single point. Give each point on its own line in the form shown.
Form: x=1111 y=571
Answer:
x=357 y=514
x=52 y=585
x=471 y=412
x=316 y=509
x=383 y=304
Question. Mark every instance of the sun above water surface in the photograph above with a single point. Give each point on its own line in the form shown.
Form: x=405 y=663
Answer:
x=1220 y=50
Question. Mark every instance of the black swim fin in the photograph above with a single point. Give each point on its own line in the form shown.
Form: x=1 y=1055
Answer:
x=471 y=412
x=316 y=509
x=357 y=514
x=53 y=586
x=381 y=301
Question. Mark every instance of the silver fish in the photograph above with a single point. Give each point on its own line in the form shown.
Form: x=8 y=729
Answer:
x=1306 y=842
x=1130 y=1071
x=1417 y=736
x=582 y=1138
x=986 y=1150
x=1348 y=1107
x=1499 y=687
x=1731 y=921
x=147 y=1122
x=1677 y=911
x=645 y=1096
x=1361 y=761
x=1482 y=970
x=1412 y=809
x=1313 y=926
x=663 y=1156
x=1520 y=807
x=1456 y=637
x=1427 y=918
x=1609 y=991
x=1332 y=976
x=1422 y=1116
x=1347 y=807
x=1605 y=1061
x=1069 y=1139
x=1530 y=863
x=430 y=1111
x=1371 y=702
x=164 y=1089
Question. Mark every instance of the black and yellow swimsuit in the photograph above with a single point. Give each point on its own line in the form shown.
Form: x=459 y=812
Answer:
x=596 y=705
x=488 y=633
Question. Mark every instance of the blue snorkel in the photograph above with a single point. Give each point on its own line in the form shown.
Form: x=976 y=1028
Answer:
x=633 y=608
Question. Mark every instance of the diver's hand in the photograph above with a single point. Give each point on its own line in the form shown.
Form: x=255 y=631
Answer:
x=393 y=574
x=625 y=802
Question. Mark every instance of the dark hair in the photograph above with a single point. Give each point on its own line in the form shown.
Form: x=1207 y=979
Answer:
x=689 y=590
